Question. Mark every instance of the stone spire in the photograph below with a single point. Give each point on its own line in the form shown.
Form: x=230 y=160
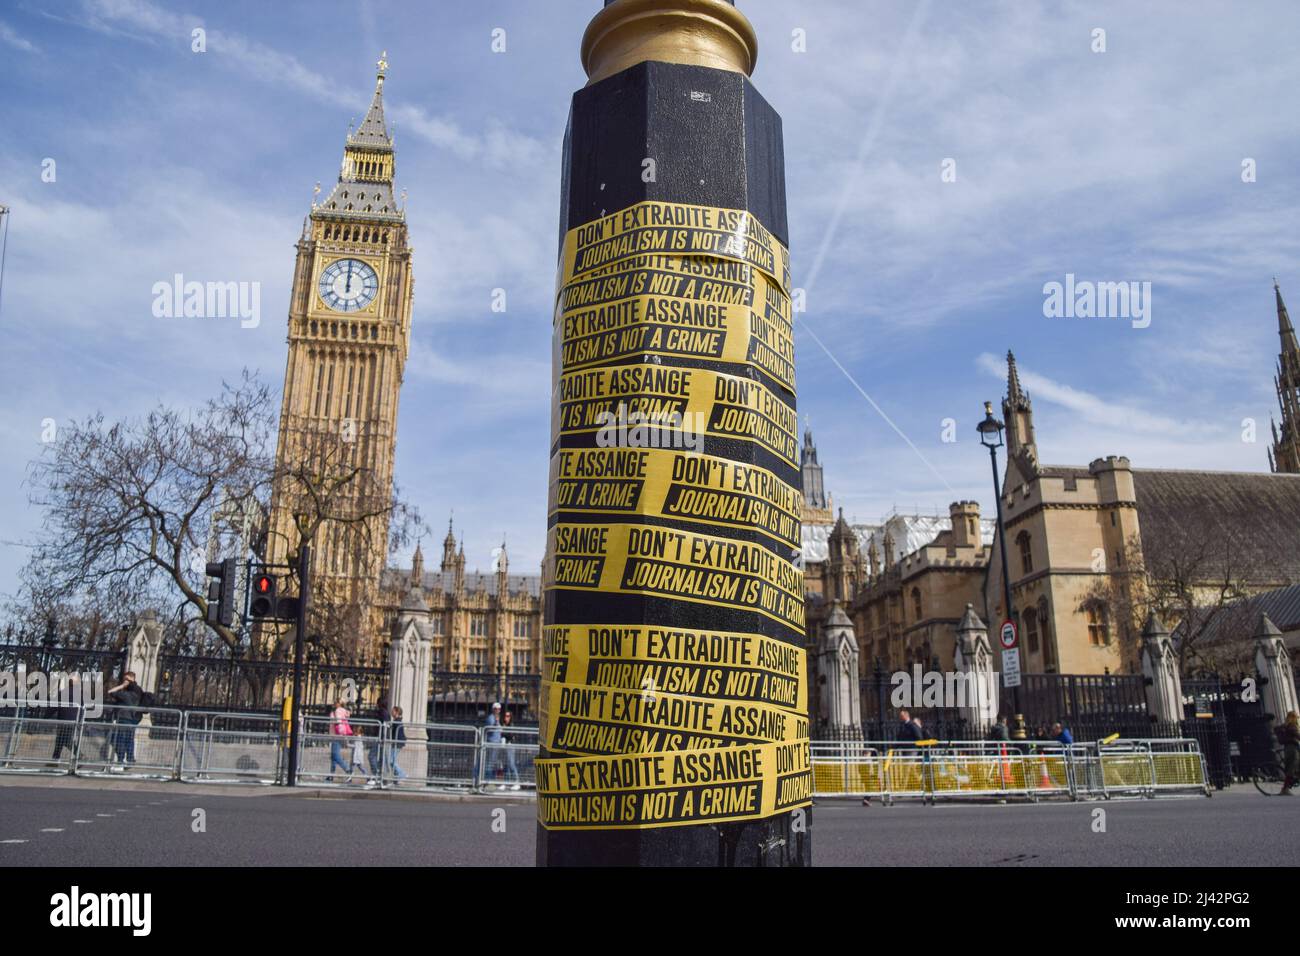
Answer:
x=449 y=547
x=417 y=566
x=365 y=185
x=373 y=131
x=1284 y=456
x=813 y=491
x=1018 y=413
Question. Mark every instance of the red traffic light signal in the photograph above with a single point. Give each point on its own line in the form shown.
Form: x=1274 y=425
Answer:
x=263 y=602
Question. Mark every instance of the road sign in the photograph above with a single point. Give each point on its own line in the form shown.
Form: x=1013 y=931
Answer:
x=1008 y=635
x=1011 y=667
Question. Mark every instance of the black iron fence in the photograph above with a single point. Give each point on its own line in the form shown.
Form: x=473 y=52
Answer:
x=1092 y=706
x=234 y=684
x=880 y=706
x=467 y=697
x=49 y=658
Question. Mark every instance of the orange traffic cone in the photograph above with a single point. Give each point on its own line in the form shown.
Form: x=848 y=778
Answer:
x=1045 y=780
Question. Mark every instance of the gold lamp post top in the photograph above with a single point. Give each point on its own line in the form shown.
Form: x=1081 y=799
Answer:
x=709 y=33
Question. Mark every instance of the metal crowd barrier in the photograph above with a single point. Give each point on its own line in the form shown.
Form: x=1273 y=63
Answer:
x=1004 y=769
x=38 y=745
x=221 y=747
x=509 y=763
x=233 y=748
x=130 y=741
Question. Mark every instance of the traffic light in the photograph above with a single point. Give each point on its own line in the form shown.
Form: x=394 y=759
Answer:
x=265 y=604
x=221 y=592
x=262 y=603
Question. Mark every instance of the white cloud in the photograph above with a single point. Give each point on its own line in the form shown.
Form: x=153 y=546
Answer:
x=1090 y=408
x=9 y=36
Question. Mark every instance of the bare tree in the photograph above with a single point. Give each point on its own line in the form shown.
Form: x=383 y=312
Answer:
x=1195 y=583
x=129 y=507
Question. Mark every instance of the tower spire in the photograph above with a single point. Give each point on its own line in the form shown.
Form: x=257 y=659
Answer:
x=1285 y=453
x=1284 y=327
x=1014 y=392
x=373 y=130
x=1018 y=413
x=365 y=186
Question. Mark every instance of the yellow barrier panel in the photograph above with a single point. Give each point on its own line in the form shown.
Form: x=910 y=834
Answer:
x=1126 y=771
x=1178 y=769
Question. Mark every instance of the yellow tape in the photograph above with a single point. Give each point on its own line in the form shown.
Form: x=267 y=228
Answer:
x=662 y=406
x=713 y=724
x=670 y=563
x=681 y=661
x=675 y=327
x=673 y=229
x=698 y=278
x=578 y=719
x=671 y=484
x=673 y=789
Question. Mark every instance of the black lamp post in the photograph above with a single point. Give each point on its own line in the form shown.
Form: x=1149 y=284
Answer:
x=991 y=438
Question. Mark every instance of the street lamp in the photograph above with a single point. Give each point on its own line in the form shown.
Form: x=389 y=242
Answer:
x=991 y=438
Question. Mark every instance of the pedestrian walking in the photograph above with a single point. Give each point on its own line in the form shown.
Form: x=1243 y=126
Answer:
x=491 y=744
x=340 y=731
x=1288 y=735
x=1000 y=730
x=376 y=744
x=66 y=715
x=512 y=770
x=396 y=741
x=908 y=729
x=358 y=764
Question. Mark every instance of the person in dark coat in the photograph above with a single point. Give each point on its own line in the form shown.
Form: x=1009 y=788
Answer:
x=67 y=713
x=127 y=696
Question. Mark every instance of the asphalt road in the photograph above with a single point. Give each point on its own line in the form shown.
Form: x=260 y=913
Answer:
x=84 y=823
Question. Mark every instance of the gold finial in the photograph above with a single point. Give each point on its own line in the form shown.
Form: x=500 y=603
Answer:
x=314 y=193
x=709 y=33
x=382 y=65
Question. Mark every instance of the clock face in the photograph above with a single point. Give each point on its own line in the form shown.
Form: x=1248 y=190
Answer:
x=348 y=285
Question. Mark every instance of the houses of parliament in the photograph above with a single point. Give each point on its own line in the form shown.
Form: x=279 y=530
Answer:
x=903 y=583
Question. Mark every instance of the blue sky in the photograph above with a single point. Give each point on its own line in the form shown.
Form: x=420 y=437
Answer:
x=1122 y=165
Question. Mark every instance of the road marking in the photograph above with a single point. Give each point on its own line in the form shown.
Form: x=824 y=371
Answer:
x=52 y=829
x=13 y=841
x=103 y=814
x=83 y=821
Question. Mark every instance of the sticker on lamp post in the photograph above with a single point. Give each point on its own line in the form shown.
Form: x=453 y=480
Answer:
x=1010 y=655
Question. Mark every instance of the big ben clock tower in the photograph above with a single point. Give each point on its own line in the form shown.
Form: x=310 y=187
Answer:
x=349 y=331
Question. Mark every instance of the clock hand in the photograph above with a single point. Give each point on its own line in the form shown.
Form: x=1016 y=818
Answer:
x=348 y=286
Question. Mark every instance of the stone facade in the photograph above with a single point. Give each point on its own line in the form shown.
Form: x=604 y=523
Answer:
x=476 y=623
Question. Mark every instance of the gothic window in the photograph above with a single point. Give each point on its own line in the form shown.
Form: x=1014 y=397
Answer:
x=523 y=627
x=522 y=662
x=1098 y=624
x=917 y=608
x=478 y=659
x=478 y=625
x=1031 y=630
x=1026 y=553
x=435 y=621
